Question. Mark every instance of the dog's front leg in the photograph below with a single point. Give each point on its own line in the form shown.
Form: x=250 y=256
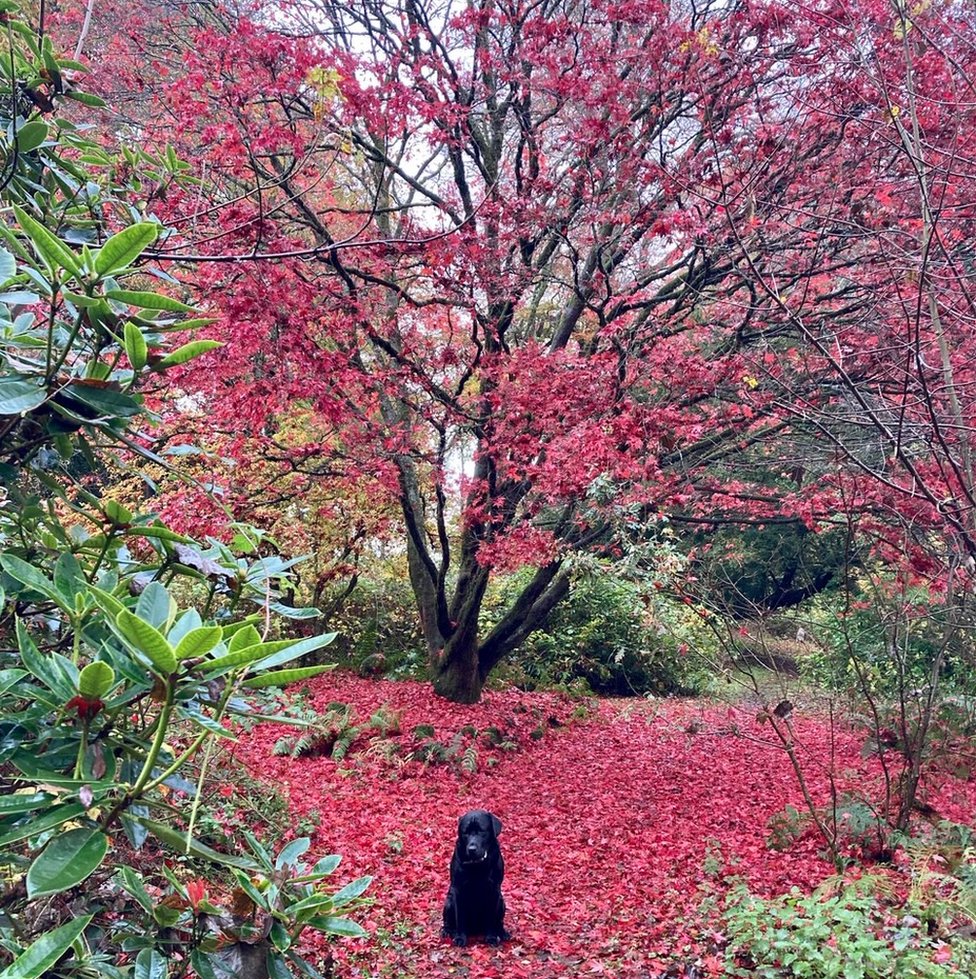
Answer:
x=452 y=920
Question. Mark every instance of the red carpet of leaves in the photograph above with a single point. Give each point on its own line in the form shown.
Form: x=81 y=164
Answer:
x=615 y=826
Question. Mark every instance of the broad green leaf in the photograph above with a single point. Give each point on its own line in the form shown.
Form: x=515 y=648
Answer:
x=327 y=864
x=194 y=324
x=96 y=680
x=20 y=297
x=150 y=964
x=147 y=640
x=148 y=300
x=55 y=253
x=160 y=533
x=18 y=802
x=9 y=678
x=184 y=625
x=199 y=641
x=8 y=266
x=290 y=612
x=107 y=602
x=247 y=635
x=280 y=678
x=208 y=723
x=41 y=824
x=338 y=926
x=85 y=302
x=202 y=966
x=289 y=854
x=106 y=402
x=45 y=668
x=66 y=861
x=132 y=882
x=194 y=848
x=156 y=606
x=351 y=890
x=69 y=579
x=122 y=249
x=187 y=352
x=31 y=135
x=18 y=396
x=317 y=902
x=86 y=98
x=45 y=952
x=269 y=654
x=136 y=348
x=28 y=575
x=118 y=513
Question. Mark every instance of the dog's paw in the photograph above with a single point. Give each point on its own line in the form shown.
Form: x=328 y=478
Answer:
x=496 y=939
x=460 y=940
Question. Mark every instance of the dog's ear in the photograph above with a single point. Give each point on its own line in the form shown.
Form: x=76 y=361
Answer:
x=496 y=825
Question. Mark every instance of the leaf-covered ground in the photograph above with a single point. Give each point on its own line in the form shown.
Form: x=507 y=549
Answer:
x=616 y=826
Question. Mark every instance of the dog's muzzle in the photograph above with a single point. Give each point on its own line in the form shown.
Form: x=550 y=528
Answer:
x=469 y=860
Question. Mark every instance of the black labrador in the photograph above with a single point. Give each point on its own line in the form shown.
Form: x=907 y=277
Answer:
x=474 y=904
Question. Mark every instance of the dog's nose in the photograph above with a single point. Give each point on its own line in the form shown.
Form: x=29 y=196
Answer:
x=472 y=849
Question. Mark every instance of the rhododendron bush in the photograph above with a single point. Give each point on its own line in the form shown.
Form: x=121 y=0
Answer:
x=713 y=255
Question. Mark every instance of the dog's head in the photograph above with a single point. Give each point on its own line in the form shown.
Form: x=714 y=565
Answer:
x=477 y=836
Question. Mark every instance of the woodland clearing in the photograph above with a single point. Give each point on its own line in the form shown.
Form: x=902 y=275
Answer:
x=620 y=828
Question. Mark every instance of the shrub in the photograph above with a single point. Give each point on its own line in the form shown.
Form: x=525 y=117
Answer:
x=608 y=636
x=851 y=933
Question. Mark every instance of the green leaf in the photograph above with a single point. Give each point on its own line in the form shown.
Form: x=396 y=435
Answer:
x=132 y=883
x=351 y=890
x=136 y=348
x=28 y=575
x=55 y=253
x=45 y=668
x=31 y=135
x=23 y=802
x=289 y=854
x=46 y=951
x=85 y=302
x=280 y=678
x=96 y=680
x=244 y=636
x=18 y=396
x=122 y=249
x=194 y=848
x=105 y=402
x=107 y=602
x=86 y=98
x=268 y=654
x=9 y=678
x=160 y=533
x=156 y=606
x=147 y=640
x=187 y=352
x=199 y=641
x=66 y=861
x=44 y=822
x=8 y=266
x=338 y=926
x=327 y=864
x=149 y=300
x=150 y=964
x=69 y=579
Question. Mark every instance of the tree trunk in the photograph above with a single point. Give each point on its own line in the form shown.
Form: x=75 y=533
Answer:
x=457 y=673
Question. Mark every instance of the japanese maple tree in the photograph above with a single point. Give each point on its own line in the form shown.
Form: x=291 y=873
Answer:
x=524 y=259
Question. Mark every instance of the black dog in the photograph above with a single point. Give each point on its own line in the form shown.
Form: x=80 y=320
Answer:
x=474 y=904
